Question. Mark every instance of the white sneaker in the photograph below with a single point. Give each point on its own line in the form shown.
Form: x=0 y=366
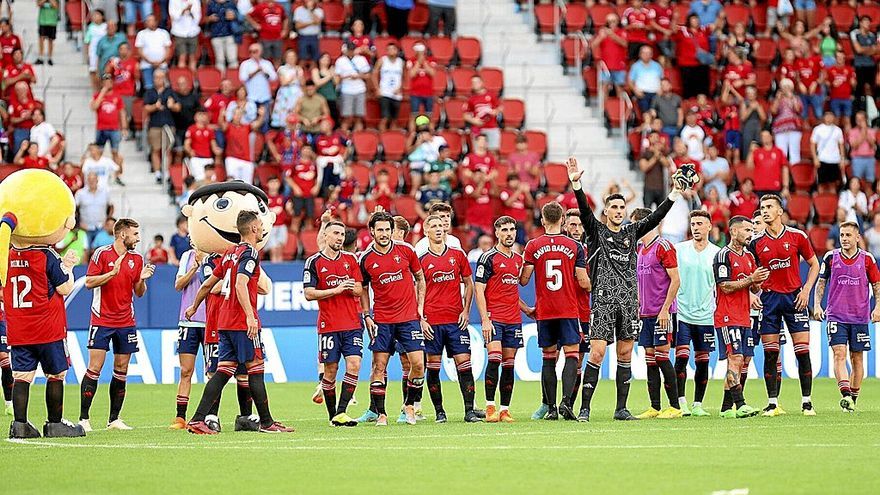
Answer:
x=118 y=425
x=86 y=424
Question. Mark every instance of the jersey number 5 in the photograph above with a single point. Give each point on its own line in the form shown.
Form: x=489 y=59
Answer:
x=21 y=287
x=554 y=274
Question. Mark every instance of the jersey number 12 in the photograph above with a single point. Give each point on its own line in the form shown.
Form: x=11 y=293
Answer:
x=21 y=287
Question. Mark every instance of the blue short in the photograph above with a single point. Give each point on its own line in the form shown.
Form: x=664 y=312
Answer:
x=585 y=338
x=237 y=347
x=733 y=139
x=735 y=340
x=854 y=334
x=52 y=357
x=114 y=137
x=4 y=347
x=124 y=340
x=841 y=107
x=417 y=102
x=559 y=331
x=334 y=346
x=863 y=167
x=702 y=336
x=651 y=335
x=133 y=7
x=616 y=77
x=805 y=4
x=189 y=339
x=779 y=307
x=455 y=340
x=408 y=334
x=509 y=334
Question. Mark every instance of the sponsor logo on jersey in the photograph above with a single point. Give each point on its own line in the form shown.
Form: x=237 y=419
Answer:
x=334 y=280
x=779 y=264
x=509 y=279
x=438 y=277
x=618 y=256
x=387 y=278
x=847 y=280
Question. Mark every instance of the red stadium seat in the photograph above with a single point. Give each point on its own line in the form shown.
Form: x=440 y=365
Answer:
x=175 y=73
x=737 y=13
x=598 y=14
x=309 y=241
x=803 y=175
x=556 y=177
x=766 y=52
x=393 y=173
x=366 y=144
x=137 y=113
x=461 y=80
x=7 y=169
x=872 y=11
x=844 y=17
x=209 y=79
x=674 y=76
x=454 y=110
x=759 y=18
x=266 y=171
x=469 y=51
x=232 y=75
x=763 y=80
x=408 y=43
x=493 y=79
x=393 y=145
x=404 y=114
x=826 y=207
x=508 y=143
x=405 y=206
x=374 y=113
x=380 y=44
x=546 y=16
x=514 y=112
x=570 y=51
x=614 y=113
x=288 y=252
x=575 y=18
x=818 y=235
x=454 y=141
x=442 y=50
x=537 y=142
x=591 y=81
x=743 y=172
x=418 y=18
x=74 y=12
x=806 y=151
x=331 y=45
x=798 y=206
x=634 y=138
x=334 y=16
x=361 y=173
x=441 y=82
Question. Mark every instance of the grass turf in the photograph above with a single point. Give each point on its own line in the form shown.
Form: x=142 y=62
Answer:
x=830 y=453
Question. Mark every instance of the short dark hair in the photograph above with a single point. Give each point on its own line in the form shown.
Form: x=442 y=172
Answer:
x=380 y=216
x=850 y=224
x=572 y=212
x=756 y=214
x=772 y=197
x=160 y=238
x=439 y=207
x=244 y=220
x=401 y=224
x=639 y=214
x=700 y=213
x=180 y=218
x=614 y=196
x=552 y=212
x=351 y=237
x=504 y=220
x=738 y=219
x=124 y=224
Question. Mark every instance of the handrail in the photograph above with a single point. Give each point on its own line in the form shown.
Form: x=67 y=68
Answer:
x=46 y=87
x=85 y=8
x=168 y=139
x=603 y=72
x=558 y=15
x=583 y=44
x=626 y=106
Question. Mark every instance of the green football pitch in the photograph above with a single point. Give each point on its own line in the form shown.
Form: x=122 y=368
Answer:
x=834 y=452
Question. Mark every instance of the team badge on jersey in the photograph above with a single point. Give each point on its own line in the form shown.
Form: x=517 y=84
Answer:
x=130 y=264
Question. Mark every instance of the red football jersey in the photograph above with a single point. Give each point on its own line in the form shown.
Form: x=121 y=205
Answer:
x=216 y=104
x=517 y=208
x=808 y=70
x=9 y=44
x=839 y=78
x=476 y=162
x=18 y=109
x=391 y=277
x=480 y=106
x=239 y=259
x=343 y=311
x=34 y=309
x=108 y=112
x=125 y=74
x=276 y=204
x=40 y=162
x=500 y=273
x=739 y=72
x=200 y=140
x=113 y=302
x=238 y=141
x=158 y=256
x=781 y=255
x=638 y=21
x=270 y=17
x=330 y=145
x=14 y=71
x=443 y=275
x=732 y=310
x=481 y=211
x=555 y=258
x=305 y=175
x=212 y=302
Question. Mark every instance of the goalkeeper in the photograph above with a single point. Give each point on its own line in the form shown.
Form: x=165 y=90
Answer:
x=612 y=255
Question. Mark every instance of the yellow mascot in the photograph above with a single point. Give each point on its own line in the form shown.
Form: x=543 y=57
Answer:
x=36 y=211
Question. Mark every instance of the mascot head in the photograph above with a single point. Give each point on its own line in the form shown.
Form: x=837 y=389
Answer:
x=37 y=208
x=213 y=210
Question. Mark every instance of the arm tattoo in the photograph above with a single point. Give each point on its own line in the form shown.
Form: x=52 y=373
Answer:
x=820 y=291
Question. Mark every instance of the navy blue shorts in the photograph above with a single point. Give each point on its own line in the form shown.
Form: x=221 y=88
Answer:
x=4 y=347
x=448 y=336
x=733 y=139
x=651 y=335
x=778 y=308
x=854 y=334
x=509 y=334
x=124 y=340
x=735 y=340
x=334 y=346
x=559 y=331
x=189 y=339
x=237 y=347
x=703 y=336
x=52 y=357
x=408 y=334
x=585 y=338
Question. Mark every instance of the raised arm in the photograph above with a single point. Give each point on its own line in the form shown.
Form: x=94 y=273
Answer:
x=586 y=213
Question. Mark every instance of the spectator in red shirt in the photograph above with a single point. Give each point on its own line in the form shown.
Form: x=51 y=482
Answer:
x=661 y=25
x=611 y=44
x=126 y=74
x=769 y=167
x=21 y=114
x=331 y=147
x=527 y=164
x=810 y=83
x=239 y=156
x=480 y=214
x=280 y=205
x=636 y=20
x=284 y=144
x=272 y=26
x=518 y=201
x=215 y=105
x=303 y=182
x=787 y=69
x=739 y=73
x=9 y=42
x=358 y=36
x=481 y=113
x=15 y=71
x=72 y=176
x=691 y=39
x=479 y=159
x=421 y=83
x=718 y=208
x=110 y=118
x=28 y=157
x=158 y=255
x=744 y=202
x=382 y=193
x=841 y=81
x=200 y=146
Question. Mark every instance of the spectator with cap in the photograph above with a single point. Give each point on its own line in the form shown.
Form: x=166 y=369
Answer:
x=353 y=70
x=307 y=19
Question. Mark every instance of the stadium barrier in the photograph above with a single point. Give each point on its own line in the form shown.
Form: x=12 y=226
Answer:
x=292 y=345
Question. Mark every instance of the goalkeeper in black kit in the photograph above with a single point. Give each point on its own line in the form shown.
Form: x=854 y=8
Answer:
x=612 y=259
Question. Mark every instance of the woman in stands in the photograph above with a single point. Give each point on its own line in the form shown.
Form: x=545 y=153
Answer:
x=326 y=80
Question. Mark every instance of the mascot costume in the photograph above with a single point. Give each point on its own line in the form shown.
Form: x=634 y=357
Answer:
x=211 y=215
x=37 y=211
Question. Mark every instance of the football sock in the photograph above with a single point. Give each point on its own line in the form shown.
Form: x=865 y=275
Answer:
x=701 y=376
x=87 y=393
x=349 y=384
x=215 y=407
x=737 y=394
x=653 y=381
x=682 y=356
x=466 y=384
x=182 y=403
x=433 y=378
x=329 y=389
x=669 y=379
x=727 y=403
x=623 y=379
x=20 y=392
x=779 y=375
x=771 y=354
x=245 y=401
x=491 y=380
x=419 y=392
x=548 y=378
x=404 y=385
x=257 y=382
x=854 y=392
x=211 y=394
x=805 y=368
x=591 y=379
x=7 y=380
x=506 y=382
x=578 y=380
x=377 y=396
x=744 y=375
x=54 y=399
x=414 y=389
x=569 y=377
x=117 y=393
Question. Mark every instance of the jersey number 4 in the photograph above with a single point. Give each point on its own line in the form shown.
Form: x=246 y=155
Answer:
x=227 y=281
x=21 y=287
x=554 y=274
